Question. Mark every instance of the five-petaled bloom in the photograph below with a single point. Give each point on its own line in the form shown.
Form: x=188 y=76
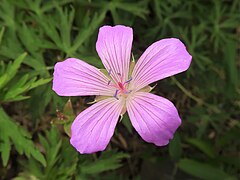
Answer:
x=123 y=88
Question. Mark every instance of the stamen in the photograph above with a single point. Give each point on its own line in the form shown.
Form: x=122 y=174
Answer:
x=128 y=80
x=109 y=72
x=109 y=82
x=115 y=95
x=121 y=77
x=128 y=92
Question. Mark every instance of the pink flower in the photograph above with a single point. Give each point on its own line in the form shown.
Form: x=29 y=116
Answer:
x=154 y=118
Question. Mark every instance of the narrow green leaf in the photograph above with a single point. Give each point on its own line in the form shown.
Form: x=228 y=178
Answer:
x=203 y=146
x=175 y=149
x=68 y=109
x=39 y=157
x=126 y=122
x=13 y=133
x=5 y=150
x=202 y=170
x=87 y=32
x=11 y=70
x=105 y=163
x=1 y=34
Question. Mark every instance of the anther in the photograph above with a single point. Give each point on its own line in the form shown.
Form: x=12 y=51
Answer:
x=109 y=72
x=115 y=95
x=119 y=74
x=128 y=80
x=109 y=82
x=128 y=92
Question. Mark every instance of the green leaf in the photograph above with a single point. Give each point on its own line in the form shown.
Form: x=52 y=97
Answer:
x=203 y=146
x=68 y=110
x=109 y=161
x=23 y=85
x=10 y=132
x=231 y=68
x=66 y=118
x=1 y=34
x=175 y=149
x=11 y=70
x=59 y=153
x=86 y=32
x=126 y=122
x=24 y=176
x=231 y=160
x=202 y=170
x=5 y=149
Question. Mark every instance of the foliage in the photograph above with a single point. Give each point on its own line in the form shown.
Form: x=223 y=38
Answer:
x=35 y=34
x=19 y=137
x=12 y=88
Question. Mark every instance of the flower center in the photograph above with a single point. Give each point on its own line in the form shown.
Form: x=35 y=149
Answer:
x=121 y=86
x=122 y=90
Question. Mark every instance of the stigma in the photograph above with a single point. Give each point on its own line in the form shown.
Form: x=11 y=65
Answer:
x=122 y=91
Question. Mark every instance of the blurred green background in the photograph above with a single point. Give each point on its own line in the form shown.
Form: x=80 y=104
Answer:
x=35 y=34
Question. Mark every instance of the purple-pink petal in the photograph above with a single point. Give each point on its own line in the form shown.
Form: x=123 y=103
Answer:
x=162 y=59
x=154 y=118
x=114 y=46
x=93 y=128
x=74 y=77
